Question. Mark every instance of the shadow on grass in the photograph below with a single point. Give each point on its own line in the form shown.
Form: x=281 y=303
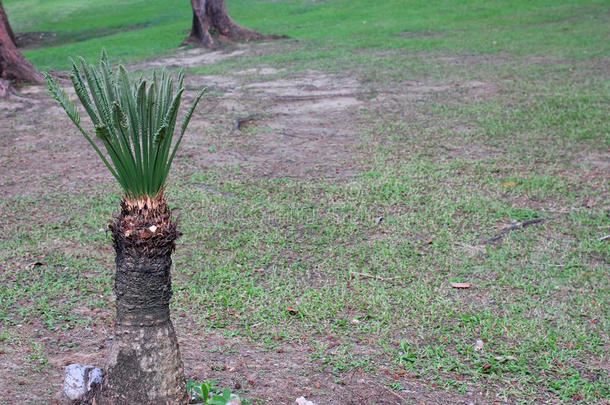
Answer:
x=45 y=39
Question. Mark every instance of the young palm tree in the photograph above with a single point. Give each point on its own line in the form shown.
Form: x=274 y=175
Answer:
x=135 y=124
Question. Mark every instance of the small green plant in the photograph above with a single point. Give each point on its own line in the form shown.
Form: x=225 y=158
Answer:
x=407 y=354
x=395 y=386
x=135 y=124
x=207 y=393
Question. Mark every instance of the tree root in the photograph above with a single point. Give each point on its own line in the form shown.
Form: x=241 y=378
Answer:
x=518 y=225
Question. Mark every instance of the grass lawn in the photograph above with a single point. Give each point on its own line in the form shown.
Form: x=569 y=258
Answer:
x=326 y=236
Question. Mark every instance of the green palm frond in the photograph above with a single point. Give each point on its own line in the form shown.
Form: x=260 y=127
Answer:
x=63 y=99
x=135 y=121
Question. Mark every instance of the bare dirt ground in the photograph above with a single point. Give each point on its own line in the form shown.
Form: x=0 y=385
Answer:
x=302 y=124
x=267 y=123
x=276 y=376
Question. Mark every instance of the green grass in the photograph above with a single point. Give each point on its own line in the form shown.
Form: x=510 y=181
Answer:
x=282 y=243
x=265 y=259
x=572 y=29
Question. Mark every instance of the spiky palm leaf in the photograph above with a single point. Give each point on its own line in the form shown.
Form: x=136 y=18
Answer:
x=134 y=121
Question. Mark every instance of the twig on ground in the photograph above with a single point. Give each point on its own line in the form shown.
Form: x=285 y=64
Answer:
x=241 y=121
x=472 y=249
x=367 y=275
x=604 y=237
x=214 y=190
x=518 y=225
x=314 y=97
x=403 y=399
x=549 y=264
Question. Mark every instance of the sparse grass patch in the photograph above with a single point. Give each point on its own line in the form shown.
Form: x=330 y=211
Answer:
x=459 y=138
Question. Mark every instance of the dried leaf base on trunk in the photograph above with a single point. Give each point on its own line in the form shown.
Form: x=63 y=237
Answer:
x=144 y=365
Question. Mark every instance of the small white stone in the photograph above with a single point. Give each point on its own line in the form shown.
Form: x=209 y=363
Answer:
x=78 y=380
x=95 y=377
x=303 y=401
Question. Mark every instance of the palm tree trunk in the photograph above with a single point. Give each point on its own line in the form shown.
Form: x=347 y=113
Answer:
x=144 y=365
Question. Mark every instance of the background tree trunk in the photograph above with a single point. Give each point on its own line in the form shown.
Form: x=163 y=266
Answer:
x=13 y=65
x=210 y=18
x=144 y=365
x=4 y=22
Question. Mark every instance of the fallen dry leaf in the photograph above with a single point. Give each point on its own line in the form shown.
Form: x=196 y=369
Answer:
x=35 y=264
x=502 y=359
x=509 y=184
x=460 y=285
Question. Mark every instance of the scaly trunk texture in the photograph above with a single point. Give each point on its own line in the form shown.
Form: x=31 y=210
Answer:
x=210 y=18
x=13 y=65
x=143 y=365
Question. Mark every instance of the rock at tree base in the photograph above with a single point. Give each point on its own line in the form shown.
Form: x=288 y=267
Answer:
x=303 y=401
x=234 y=400
x=5 y=88
x=78 y=380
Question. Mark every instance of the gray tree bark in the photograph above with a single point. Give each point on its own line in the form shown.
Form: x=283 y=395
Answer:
x=143 y=364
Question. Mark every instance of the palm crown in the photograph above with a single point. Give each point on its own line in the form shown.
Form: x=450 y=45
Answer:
x=134 y=121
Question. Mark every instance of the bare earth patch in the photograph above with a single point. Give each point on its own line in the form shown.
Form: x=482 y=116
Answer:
x=307 y=127
x=41 y=148
x=282 y=374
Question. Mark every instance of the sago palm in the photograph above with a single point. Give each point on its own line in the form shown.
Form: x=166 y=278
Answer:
x=135 y=122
